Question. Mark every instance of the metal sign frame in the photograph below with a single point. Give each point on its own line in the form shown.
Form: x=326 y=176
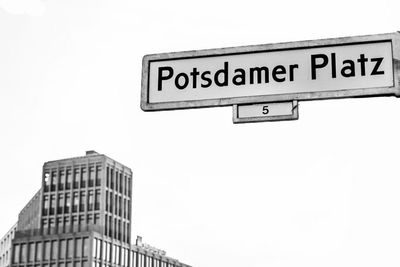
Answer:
x=294 y=116
x=394 y=38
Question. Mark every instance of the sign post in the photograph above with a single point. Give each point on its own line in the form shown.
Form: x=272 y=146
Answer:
x=363 y=66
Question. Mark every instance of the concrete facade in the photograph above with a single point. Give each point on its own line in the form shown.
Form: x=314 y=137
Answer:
x=81 y=217
x=5 y=246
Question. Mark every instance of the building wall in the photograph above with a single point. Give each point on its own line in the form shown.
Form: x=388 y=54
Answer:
x=29 y=217
x=83 y=250
x=93 y=190
x=84 y=219
x=5 y=247
x=64 y=250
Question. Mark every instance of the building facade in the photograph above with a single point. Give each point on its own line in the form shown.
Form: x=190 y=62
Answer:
x=81 y=217
x=29 y=217
x=5 y=246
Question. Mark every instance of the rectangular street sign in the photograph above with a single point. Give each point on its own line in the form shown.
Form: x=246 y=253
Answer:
x=307 y=70
x=265 y=112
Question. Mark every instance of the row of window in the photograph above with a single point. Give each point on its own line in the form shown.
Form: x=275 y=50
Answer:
x=107 y=252
x=116 y=228
x=80 y=202
x=83 y=263
x=68 y=224
x=50 y=250
x=4 y=259
x=78 y=177
x=118 y=181
x=118 y=205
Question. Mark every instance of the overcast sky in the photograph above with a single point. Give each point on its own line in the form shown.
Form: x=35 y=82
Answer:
x=320 y=191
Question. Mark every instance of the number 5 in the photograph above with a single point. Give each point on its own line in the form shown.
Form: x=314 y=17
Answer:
x=265 y=110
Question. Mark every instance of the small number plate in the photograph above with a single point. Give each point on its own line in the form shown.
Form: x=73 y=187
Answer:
x=278 y=111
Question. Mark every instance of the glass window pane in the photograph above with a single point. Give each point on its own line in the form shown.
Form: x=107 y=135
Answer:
x=54 y=250
x=23 y=253
x=85 y=247
x=78 y=247
x=46 y=250
x=63 y=248
x=16 y=254
x=70 y=249
x=38 y=251
x=31 y=252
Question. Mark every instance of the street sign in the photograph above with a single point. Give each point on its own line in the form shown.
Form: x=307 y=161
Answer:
x=322 y=69
x=265 y=112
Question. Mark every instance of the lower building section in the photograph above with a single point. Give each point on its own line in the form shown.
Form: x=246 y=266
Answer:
x=5 y=246
x=84 y=249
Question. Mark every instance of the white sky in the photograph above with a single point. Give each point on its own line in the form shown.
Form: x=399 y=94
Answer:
x=320 y=191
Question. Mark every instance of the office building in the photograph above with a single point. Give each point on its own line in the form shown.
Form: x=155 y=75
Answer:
x=81 y=217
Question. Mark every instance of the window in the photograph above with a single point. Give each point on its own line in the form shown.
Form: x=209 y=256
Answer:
x=46 y=250
x=125 y=208
x=104 y=258
x=90 y=200
x=46 y=205
x=70 y=249
x=98 y=252
x=111 y=202
x=94 y=248
x=109 y=252
x=38 y=251
x=52 y=224
x=129 y=209
x=83 y=177
x=107 y=204
x=54 y=251
x=60 y=207
x=53 y=180
x=116 y=204
x=97 y=219
x=46 y=179
x=75 y=223
x=91 y=176
x=85 y=242
x=75 y=202
x=112 y=178
x=82 y=220
x=67 y=202
x=126 y=185
x=132 y=260
x=67 y=224
x=52 y=204
x=68 y=178
x=60 y=224
x=83 y=201
x=90 y=219
x=114 y=254
x=61 y=181
x=16 y=254
x=108 y=177
x=120 y=206
x=63 y=248
x=78 y=247
x=120 y=182
x=116 y=180
x=97 y=200
x=98 y=175
x=76 y=178
x=110 y=226
x=44 y=224
x=129 y=187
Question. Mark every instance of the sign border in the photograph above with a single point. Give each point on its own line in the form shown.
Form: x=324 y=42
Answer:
x=394 y=38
